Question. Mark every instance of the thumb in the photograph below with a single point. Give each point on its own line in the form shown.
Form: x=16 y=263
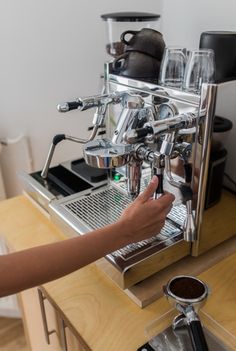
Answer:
x=149 y=191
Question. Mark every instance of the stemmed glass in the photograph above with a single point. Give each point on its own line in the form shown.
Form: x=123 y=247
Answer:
x=173 y=67
x=200 y=68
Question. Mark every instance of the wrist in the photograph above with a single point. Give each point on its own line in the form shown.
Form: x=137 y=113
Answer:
x=125 y=231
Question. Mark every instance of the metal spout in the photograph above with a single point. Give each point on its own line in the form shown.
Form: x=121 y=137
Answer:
x=190 y=233
x=134 y=173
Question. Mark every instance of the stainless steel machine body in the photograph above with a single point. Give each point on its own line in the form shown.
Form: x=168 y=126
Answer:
x=150 y=130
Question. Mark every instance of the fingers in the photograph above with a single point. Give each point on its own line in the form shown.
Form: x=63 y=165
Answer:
x=164 y=202
x=149 y=191
x=166 y=199
x=163 y=205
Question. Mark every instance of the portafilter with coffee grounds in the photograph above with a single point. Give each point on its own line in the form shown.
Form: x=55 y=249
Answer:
x=188 y=294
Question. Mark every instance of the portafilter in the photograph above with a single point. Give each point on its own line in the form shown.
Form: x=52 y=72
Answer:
x=188 y=294
x=102 y=153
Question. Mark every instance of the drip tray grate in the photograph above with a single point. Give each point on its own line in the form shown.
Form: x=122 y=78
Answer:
x=100 y=208
x=105 y=206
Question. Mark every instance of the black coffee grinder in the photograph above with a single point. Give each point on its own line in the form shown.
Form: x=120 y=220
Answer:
x=223 y=43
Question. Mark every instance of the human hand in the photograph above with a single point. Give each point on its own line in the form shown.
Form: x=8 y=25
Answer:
x=145 y=217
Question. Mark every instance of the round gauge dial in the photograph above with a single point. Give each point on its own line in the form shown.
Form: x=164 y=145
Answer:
x=167 y=110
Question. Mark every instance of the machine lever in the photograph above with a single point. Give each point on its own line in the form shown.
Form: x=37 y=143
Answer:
x=69 y=106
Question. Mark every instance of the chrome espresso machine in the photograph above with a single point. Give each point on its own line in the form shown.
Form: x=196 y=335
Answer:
x=139 y=129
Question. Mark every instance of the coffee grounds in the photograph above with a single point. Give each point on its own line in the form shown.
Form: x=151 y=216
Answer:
x=187 y=288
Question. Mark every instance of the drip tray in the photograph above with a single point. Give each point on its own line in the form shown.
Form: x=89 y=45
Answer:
x=102 y=207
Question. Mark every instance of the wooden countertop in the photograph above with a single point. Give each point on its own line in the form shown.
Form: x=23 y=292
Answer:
x=99 y=313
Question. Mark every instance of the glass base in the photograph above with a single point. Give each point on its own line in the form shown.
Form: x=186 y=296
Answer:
x=162 y=337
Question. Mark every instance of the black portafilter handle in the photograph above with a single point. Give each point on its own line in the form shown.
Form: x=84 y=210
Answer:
x=159 y=190
x=197 y=336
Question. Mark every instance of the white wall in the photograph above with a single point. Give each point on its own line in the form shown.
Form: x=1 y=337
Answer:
x=51 y=51
x=185 y=20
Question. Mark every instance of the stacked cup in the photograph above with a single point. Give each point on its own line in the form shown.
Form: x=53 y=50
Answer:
x=142 y=54
x=187 y=70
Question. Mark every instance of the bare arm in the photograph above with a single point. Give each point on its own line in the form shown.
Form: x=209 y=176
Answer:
x=32 y=267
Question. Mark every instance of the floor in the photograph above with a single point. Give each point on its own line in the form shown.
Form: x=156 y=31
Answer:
x=12 y=335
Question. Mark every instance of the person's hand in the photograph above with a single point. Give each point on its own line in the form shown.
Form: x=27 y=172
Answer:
x=145 y=217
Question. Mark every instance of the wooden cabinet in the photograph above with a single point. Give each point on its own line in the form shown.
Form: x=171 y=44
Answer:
x=73 y=343
x=45 y=328
x=33 y=322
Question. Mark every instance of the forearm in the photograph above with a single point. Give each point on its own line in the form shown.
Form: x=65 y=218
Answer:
x=28 y=268
x=32 y=267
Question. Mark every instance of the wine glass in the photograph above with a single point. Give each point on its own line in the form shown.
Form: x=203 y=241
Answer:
x=200 y=68
x=173 y=67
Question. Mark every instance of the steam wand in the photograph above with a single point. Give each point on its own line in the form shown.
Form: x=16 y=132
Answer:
x=56 y=140
x=184 y=150
x=187 y=194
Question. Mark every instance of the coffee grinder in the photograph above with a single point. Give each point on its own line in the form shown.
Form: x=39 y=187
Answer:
x=118 y=22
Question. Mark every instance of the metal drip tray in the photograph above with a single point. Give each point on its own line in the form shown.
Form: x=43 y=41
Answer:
x=98 y=208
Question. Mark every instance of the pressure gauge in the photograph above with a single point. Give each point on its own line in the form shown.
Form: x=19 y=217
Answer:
x=167 y=110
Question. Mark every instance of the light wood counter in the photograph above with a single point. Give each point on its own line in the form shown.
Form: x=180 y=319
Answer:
x=99 y=313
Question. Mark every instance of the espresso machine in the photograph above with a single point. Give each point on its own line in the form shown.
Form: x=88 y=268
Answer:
x=139 y=129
